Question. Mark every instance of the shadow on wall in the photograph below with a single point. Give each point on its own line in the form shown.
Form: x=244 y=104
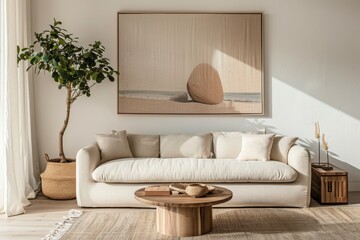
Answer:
x=310 y=145
x=314 y=60
x=333 y=157
x=256 y=124
x=321 y=62
x=353 y=172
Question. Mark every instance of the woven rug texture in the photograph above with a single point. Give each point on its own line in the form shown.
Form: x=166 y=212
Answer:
x=240 y=223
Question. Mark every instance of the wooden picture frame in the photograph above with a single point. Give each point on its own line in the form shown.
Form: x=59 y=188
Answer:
x=190 y=63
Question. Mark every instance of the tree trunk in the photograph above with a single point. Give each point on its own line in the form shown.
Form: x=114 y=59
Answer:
x=66 y=121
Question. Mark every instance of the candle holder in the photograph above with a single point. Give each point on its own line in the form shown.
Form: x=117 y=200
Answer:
x=318 y=164
x=327 y=166
x=326 y=148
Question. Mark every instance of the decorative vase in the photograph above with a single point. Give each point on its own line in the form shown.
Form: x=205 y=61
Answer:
x=58 y=180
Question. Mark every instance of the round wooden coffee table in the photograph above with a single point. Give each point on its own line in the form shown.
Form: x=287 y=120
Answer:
x=182 y=215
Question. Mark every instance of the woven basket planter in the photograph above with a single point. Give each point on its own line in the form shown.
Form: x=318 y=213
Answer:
x=58 y=180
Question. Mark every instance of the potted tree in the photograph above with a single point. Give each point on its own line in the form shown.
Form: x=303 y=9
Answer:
x=75 y=69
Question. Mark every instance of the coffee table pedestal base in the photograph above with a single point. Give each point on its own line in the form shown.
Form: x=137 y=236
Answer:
x=184 y=221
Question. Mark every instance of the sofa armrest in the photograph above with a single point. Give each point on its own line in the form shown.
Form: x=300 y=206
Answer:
x=87 y=159
x=299 y=159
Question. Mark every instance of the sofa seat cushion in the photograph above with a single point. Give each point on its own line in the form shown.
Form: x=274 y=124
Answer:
x=153 y=170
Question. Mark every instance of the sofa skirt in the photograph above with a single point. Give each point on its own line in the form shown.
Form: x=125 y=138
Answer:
x=244 y=195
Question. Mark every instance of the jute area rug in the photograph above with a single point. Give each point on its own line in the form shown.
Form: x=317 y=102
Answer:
x=239 y=223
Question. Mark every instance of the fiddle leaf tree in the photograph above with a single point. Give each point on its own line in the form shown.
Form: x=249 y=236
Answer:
x=74 y=68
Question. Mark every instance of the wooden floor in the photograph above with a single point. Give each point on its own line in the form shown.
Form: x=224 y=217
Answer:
x=43 y=213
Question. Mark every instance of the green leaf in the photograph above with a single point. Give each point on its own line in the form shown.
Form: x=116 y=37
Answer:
x=111 y=78
x=81 y=73
x=64 y=75
x=45 y=58
x=54 y=63
x=55 y=76
x=32 y=60
x=82 y=86
x=94 y=76
x=100 y=77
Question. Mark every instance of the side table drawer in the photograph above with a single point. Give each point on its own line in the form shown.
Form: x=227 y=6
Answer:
x=334 y=189
x=329 y=187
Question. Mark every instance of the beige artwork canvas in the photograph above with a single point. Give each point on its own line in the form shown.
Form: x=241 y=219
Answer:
x=190 y=63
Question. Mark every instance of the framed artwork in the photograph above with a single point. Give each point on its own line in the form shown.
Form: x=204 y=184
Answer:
x=190 y=63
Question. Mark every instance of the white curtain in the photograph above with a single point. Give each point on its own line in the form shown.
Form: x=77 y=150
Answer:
x=17 y=181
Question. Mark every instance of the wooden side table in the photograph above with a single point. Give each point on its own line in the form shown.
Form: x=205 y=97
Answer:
x=329 y=186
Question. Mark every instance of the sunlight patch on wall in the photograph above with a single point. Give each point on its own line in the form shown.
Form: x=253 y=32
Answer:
x=235 y=75
x=301 y=110
x=284 y=94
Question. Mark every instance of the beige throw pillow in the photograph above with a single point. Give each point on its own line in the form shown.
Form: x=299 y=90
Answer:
x=144 y=146
x=113 y=146
x=227 y=144
x=256 y=147
x=281 y=147
x=185 y=146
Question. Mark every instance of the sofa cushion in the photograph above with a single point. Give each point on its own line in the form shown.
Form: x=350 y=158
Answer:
x=228 y=144
x=281 y=146
x=185 y=146
x=132 y=170
x=144 y=146
x=256 y=147
x=113 y=146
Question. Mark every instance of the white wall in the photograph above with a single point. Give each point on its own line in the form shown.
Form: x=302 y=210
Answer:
x=312 y=56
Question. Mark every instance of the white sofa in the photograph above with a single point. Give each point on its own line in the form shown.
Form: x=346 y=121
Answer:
x=272 y=183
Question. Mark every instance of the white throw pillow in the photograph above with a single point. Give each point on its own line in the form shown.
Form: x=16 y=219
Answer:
x=185 y=146
x=256 y=147
x=144 y=146
x=113 y=146
x=281 y=147
x=227 y=145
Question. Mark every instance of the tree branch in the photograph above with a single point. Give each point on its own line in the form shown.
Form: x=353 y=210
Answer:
x=66 y=121
x=79 y=94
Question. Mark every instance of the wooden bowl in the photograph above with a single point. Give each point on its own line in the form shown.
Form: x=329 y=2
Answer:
x=211 y=188
x=180 y=187
x=197 y=190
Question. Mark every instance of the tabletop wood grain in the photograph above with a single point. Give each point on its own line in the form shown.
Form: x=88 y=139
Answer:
x=219 y=195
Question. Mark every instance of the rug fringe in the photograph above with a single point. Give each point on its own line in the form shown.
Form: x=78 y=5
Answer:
x=63 y=226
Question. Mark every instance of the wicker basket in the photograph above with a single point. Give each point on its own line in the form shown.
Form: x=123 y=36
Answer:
x=58 y=180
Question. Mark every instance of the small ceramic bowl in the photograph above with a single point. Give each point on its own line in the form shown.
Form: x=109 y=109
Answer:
x=197 y=190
